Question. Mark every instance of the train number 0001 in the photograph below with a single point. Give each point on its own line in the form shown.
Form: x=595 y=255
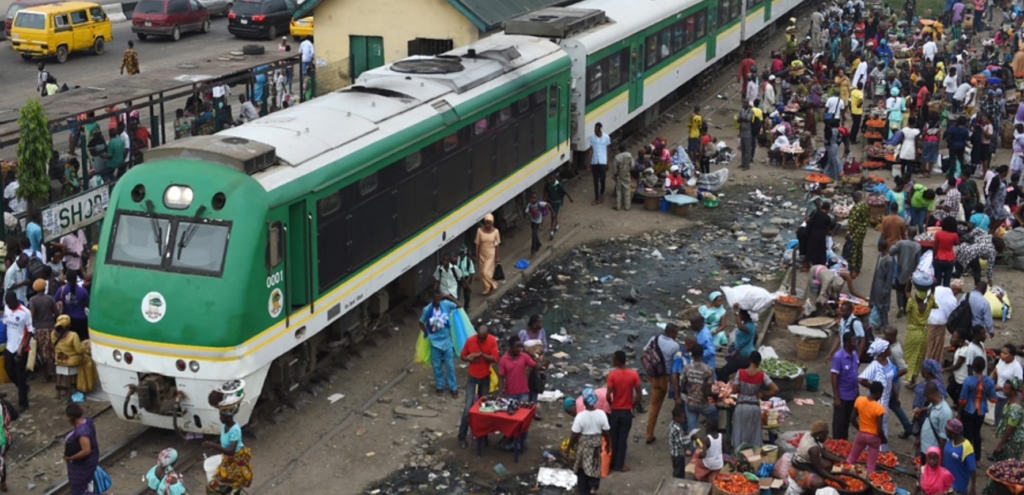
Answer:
x=275 y=279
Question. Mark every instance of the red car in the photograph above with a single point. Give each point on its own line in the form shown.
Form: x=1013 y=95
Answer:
x=169 y=18
x=21 y=4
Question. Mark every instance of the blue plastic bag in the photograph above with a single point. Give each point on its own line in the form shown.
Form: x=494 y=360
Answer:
x=101 y=480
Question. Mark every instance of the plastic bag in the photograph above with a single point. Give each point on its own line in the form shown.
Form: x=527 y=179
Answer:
x=494 y=382
x=606 y=459
x=714 y=181
x=749 y=297
x=462 y=329
x=422 y=354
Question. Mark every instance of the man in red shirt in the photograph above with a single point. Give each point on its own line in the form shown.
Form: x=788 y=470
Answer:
x=623 y=395
x=745 y=66
x=480 y=352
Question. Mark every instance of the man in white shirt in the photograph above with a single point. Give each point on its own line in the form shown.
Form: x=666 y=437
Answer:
x=860 y=75
x=835 y=106
x=908 y=150
x=769 y=95
x=248 y=112
x=949 y=83
x=308 y=53
x=598 y=160
x=15 y=281
x=446 y=277
x=930 y=49
x=73 y=246
x=19 y=330
x=751 y=89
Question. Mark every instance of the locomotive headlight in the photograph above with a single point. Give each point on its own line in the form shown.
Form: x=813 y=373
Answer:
x=117 y=355
x=194 y=366
x=178 y=197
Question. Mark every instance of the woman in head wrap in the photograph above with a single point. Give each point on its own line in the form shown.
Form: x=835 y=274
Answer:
x=882 y=371
x=235 y=470
x=69 y=351
x=918 y=308
x=1009 y=431
x=931 y=372
x=896 y=105
x=713 y=312
x=812 y=462
x=588 y=429
x=44 y=317
x=935 y=479
x=487 y=241
x=162 y=478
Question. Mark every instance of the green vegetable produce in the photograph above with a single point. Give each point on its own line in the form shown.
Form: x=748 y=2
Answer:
x=779 y=368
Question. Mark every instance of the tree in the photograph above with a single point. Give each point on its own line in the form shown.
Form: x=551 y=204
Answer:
x=35 y=148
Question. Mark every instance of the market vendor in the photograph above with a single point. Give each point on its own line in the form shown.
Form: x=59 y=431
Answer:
x=812 y=462
x=825 y=285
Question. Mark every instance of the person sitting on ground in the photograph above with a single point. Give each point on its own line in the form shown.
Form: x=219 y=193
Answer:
x=812 y=462
x=248 y=112
x=674 y=181
x=162 y=478
x=708 y=459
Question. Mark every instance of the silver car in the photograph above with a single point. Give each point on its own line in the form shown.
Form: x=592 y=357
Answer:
x=217 y=7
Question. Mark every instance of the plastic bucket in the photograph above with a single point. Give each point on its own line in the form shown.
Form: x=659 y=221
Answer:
x=812 y=382
x=210 y=465
x=664 y=205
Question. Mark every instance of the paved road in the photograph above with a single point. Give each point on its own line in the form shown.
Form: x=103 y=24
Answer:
x=18 y=78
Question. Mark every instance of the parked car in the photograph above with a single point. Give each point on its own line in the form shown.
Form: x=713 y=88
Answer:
x=260 y=18
x=59 y=29
x=300 y=28
x=17 y=6
x=169 y=18
x=217 y=7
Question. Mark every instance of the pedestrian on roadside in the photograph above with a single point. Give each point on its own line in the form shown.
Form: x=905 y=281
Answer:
x=536 y=209
x=860 y=218
x=677 y=436
x=18 y=321
x=588 y=429
x=1006 y=368
x=977 y=391
x=598 y=160
x=743 y=345
x=41 y=77
x=554 y=193
x=480 y=351
x=488 y=239
x=235 y=471
x=513 y=368
x=745 y=118
x=447 y=276
x=464 y=262
x=848 y=323
x=162 y=479
x=435 y=322
x=624 y=396
x=896 y=356
x=44 y=317
x=751 y=386
x=869 y=419
x=1009 y=431
x=308 y=53
x=960 y=458
x=697 y=378
x=535 y=343
x=621 y=175
x=981 y=311
x=881 y=285
x=130 y=60
x=907 y=253
x=82 y=451
x=696 y=130
x=663 y=345
x=845 y=365
x=73 y=300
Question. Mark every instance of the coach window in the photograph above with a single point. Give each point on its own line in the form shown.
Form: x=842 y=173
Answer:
x=652 y=51
x=666 y=44
x=504 y=115
x=615 y=70
x=480 y=127
x=595 y=78
x=523 y=105
x=367 y=184
x=413 y=161
x=678 y=36
x=701 y=23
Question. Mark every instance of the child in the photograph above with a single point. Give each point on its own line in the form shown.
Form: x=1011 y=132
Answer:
x=935 y=479
x=708 y=458
x=536 y=209
x=958 y=369
x=977 y=391
x=554 y=191
x=677 y=441
x=958 y=457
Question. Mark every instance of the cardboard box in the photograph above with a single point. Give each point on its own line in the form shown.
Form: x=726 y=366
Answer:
x=771 y=483
x=752 y=456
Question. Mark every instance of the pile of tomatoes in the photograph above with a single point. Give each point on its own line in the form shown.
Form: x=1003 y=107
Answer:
x=888 y=459
x=852 y=484
x=796 y=441
x=882 y=481
x=840 y=448
x=736 y=484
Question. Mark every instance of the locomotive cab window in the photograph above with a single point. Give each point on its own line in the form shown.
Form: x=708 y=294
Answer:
x=138 y=240
x=275 y=245
x=200 y=247
x=169 y=243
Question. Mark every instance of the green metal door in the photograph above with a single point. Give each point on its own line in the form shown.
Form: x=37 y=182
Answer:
x=298 y=276
x=767 y=10
x=712 y=28
x=636 y=73
x=365 y=53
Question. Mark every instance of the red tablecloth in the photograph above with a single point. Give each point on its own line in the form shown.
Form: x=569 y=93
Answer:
x=512 y=426
x=927 y=244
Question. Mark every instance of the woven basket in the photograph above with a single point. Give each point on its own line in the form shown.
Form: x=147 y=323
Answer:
x=787 y=314
x=807 y=349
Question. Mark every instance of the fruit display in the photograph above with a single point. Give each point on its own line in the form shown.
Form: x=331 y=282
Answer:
x=876 y=123
x=787 y=299
x=840 y=448
x=736 y=484
x=873 y=164
x=888 y=459
x=873 y=135
x=861 y=310
x=819 y=178
x=1009 y=471
x=722 y=391
x=879 y=477
x=796 y=441
x=779 y=368
x=875 y=200
x=852 y=484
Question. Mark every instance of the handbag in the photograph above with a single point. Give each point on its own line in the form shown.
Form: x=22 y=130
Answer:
x=72 y=447
x=31 y=365
x=101 y=481
x=499 y=272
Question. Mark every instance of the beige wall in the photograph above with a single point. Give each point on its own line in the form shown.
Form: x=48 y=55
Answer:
x=397 y=21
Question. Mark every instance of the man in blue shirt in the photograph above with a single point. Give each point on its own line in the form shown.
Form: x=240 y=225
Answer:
x=705 y=339
x=845 y=389
x=981 y=311
x=34 y=232
x=598 y=160
x=437 y=328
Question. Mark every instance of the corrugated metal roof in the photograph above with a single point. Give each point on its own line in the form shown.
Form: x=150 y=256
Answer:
x=488 y=15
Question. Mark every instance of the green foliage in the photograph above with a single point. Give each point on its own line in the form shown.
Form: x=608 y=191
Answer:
x=35 y=148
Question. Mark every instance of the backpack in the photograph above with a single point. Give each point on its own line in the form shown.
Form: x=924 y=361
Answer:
x=36 y=268
x=961 y=316
x=653 y=359
x=97 y=145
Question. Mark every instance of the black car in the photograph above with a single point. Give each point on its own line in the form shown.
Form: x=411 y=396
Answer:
x=260 y=18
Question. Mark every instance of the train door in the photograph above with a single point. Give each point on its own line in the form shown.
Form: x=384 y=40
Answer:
x=767 y=11
x=636 y=73
x=298 y=248
x=712 y=31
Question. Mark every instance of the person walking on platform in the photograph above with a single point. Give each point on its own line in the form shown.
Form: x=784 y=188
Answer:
x=620 y=173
